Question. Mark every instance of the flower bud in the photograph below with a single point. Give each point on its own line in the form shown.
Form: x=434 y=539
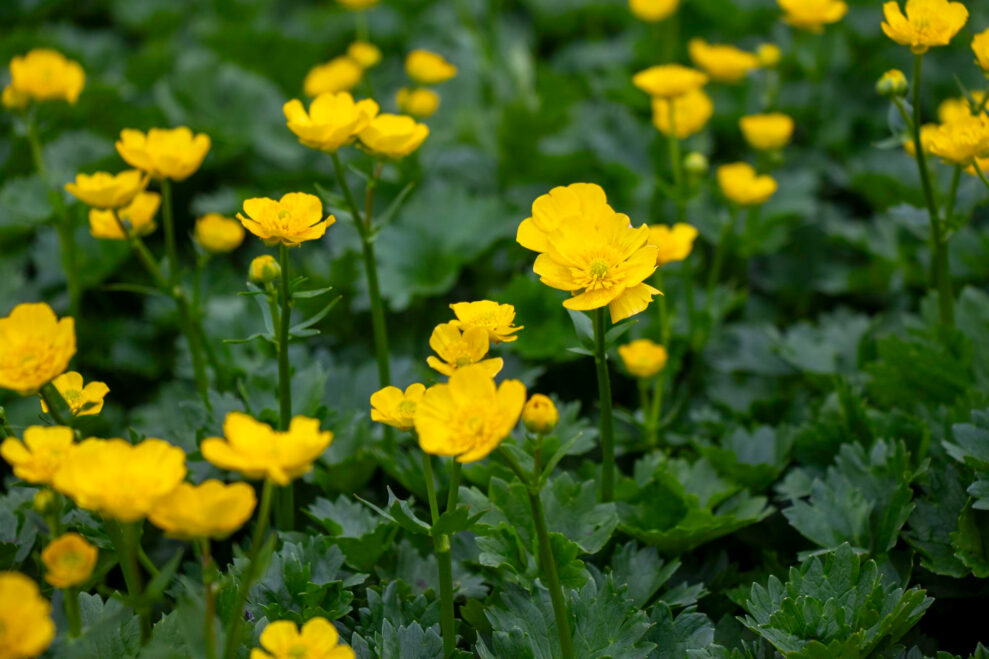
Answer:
x=893 y=84
x=643 y=358
x=264 y=270
x=69 y=560
x=44 y=502
x=696 y=164
x=540 y=415
x=769 y=55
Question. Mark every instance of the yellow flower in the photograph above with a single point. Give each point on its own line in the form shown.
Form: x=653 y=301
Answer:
x=103 y=190
x=82 y=400
x=560 y=207
x=393 y=136
x=468 y=417
x=691 y=112
x=669 y=80
x=957 y=109
x=927 y=131
x=69 y=560
x=540 y=415
x=46 y=75
x=722 y=62
x=340 y=74
x=696 y=164
x=459 y=348
x=962 y=141
x=653 y=11
x=673 y=243
x=256 y=450
x=364 y=53
x=317 y=640
x=927 y=23
x=893 y=84
x=767 y=132
x=173 y=153
x=218 y=234
x=496 y=318
x=333 y=121
x=13 y=99
x=35 y=347
x=292 y=220
x=26 y=627
x=740 y=184
x=428 y=68
x=44 y=502
x=812 y=15
x=138 y=217
x=643 y=358
x=209 y=510
x=39 y=456
x=417 y=102
x=394 y=408
x=358 y=4
x=264 y=269
x=980 y=45
x=120 y=480
x=769 y=55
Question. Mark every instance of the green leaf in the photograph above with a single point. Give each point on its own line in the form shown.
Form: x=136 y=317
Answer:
x=109 y=630
x=584 y=327
x=362 y=536
x=572 y=509
x=753 y=459
x=675 y=637
x=641 y=572
x=399 y=511
x=935 y=518
x=971 y=541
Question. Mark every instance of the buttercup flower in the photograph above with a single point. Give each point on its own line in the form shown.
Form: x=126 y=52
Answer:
x=962 y=141
x=256 y=450
x=40 y=455
x=333 y=120
x=292 y=220
x=559 y=208
x=643 y=358
x=767 y=132
x=173 y=153
x=980 y=45
x=458 y=348
x=393 y=136
x=209 y=510
x=722 y=62
x=35 y=347
x=417 y=102
x=340 y=74
x=103 y=190
x=769 y=55
x=318 y=639
x=927 y=23
x=358 y=4
x=364 y=53
x=540 y=415
x=691 y=112
x=218 y=234
x=469 y=416
x=428 y=68
x=46 y=75
x=740 y=184
x=673 y=243
x=82 y=400
x=26 y=627
x=812 y=15
x=13 y=99
x=927 y=131
x=957 y=109
x=69 y=560
x=138 y=217
x=893 y=84
x=653 y=11
x=496 y=318
x=396 y=408
x=669 y=80
x=120 y=480
x=696 y=164
x=264 y=269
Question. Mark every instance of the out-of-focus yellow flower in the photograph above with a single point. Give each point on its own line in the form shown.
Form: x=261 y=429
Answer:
x=926 y=133
x=318 y=638
x=812 y=15
x=469 y=416
x=82 y=400
x=256 y=450
x=120 y=480
x=893 y=84
x=358 y=4
x=104 y=190
x=209 y=510
x=340 y=74
x=980 y=46
x=218 y=233
x=653 y=11
x=643 y=358
x=696 y=163
x=669 y=80
x=673 y=243
x=138 y=217
x=172 y=153
x=962 y=141
x=721 y=62
x=767 y=132
x=334 y=120
x=417 y=102
x=40 y=455
x=69 y=560
x=26 y=626
x=927 y=23
x=44 y=502
x=427 y=68
x=393 y=407
x=740 y=184
x=496 y=318
x=46 y=75
x=13 y=99
x=366 y=54
x=540 y=415
x=292 y=220
x=690 y=113
x=393 y=136
x=459 y=348
x=769 y=55
x=35 y=347
x=264 y=269
x=958 y=109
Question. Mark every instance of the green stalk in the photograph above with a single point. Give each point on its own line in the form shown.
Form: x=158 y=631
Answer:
x=604 y=397
x=70 y=597
x=5 y=429
x=676 y=163
x=444 y=562
x=171 y=249
x=126 y=538
x=454 y=492
x=286 y=496
x=652 y=420
x=978 y=170
x=665 y=327
x=210 y=598
x=58 y=409
x=720 y=251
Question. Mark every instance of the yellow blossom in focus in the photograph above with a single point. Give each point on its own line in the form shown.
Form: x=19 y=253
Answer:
x=264 y=269
x=218 y=234
x=69 y=560
x=209 y=510
x=540 y=415
x=428 y=68
x=769 y=55
x=40 y=455
x=669 y=80
x=740 y=184
x=340 y=74
x=723 y=63
x=673 y=243
x=318 y=639
x=35 y=347
x=256 y=450
x=46 y=75
x=468 y=417
x=690 y=113
x=366 y=54
x=396 y=408
x=653 y=11
x=393 y=136
x=358 y=4
x=13 y=99
x=927 y=23
x=980 y=46
x=767 y=132
x=172 y=153
x=643 y=358
x=496 y=318
x=103 y=190
x=812 y=15
x=82 y=400
x=138 y=218
x=26 y=626
x=292 y=220
x=560 y=207
x=458 y=348
x=962 y=141
x=334 y=120
x=417 y=102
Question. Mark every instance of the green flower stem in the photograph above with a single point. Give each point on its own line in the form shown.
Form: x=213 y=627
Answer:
x=58 y=409
x=720 y=251
x=444 y=561
x=360 y=23
x=652 y=419
x=197 y=307
x=168 y=219
x=949 y=209
x=454 y=492
x=146 y=562
x=126 y=538
x=604 y=397
x=665 y=326
x=209 y=595
x=679 y=185
x=978 y=170
x=285 y=511
x=5 y=429
x=70 y=597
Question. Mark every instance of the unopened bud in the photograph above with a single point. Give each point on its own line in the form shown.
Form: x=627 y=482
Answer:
x=893 y=84
x=696 y=164
x=264 y=270
x=540 y=415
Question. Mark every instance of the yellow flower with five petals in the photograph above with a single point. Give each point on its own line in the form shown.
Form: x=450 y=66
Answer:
x=927 y=23
x=82 y=400
x=318 y=639
x=334 y=120
x=35 y=347
x=459 y=348
x=209 y=510
x=393 y=407
x=40 y=455
x=291 y=221
x=172 y=153
x=497 y=319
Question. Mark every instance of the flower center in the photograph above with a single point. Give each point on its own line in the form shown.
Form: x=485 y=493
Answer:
x=599 y=269
x=298 y=651
x=406 y=408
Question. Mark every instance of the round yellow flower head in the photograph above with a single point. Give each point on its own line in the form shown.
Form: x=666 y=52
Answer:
x=643 y=358
x=13 y=99
x=393 y=136
x=740 y=184
x=957 y=109
x=722 y=63
x=172 y=153
x=540 y=415
x=82 y=400
x=264 y=269
x=458 y=348
x=980 y=46
x=333 y=120
x=392 y=407
x=35 y=347
x=673 y=243
x=40 y=455
x=690 y=113
x=496 y=318
x=340 y=74
x=292 y=220
x=318 y=638
x=120 y=480
x=927 y=23
x=69 y=560
x=417 y=102
x=209 y=510
x=767 y=132
x=137 y=217
x=560 y=207
x=696 y=164
x=962 y=141
x=428 y=68
x=26 y=627
x=469 y=416
x=366 y=54
x=103 y=190
x=218 y=233
x=669 y=80
x=892 y=84
x=653 y=11
x=358 y=4
x=46 y=75
x=812 y=15
x=769 y=55
x=256 y=450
